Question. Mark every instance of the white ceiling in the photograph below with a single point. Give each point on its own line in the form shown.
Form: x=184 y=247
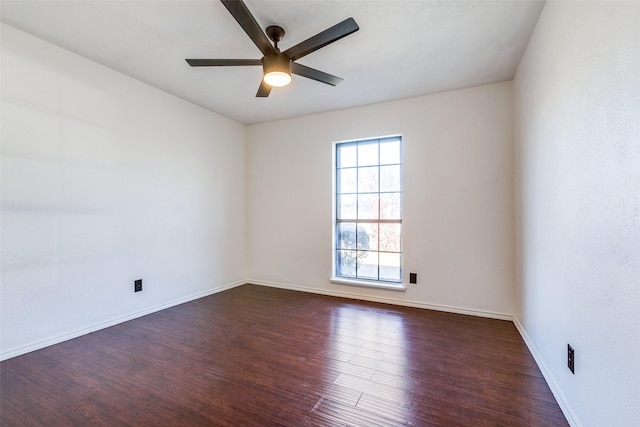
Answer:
x=403 y=48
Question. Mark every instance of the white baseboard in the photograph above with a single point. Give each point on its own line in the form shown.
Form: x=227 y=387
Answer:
x=354 y=295
x=8 y=354
x=553 y=385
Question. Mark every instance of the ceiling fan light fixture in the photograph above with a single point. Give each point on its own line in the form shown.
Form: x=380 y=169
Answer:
x=277 y=78
x=277 y=70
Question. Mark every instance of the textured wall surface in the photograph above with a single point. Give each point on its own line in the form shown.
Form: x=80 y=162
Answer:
x=106 y=180
x=577 y=96
x=457 y=201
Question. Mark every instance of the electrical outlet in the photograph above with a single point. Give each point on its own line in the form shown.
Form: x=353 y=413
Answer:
x=137 y=285
x=413 y=278
x=571 y=358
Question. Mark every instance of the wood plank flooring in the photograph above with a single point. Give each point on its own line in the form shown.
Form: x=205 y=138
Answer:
x=258 y=356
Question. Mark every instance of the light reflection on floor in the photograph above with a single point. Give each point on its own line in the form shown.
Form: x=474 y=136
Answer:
x=368 y=352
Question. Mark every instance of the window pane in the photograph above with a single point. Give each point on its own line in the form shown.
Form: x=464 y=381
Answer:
x=390 y=237
x=391 y=267
x=367 y=265
x=346 y=263
x=368 y=191
x=347 y=179
x=346 y=237
x=390 y=206
x=346 y=208
x=390 y=178
x=346 y=156
x=368 y=237
x=389 y=151
x=368 y=206
x=368 y=153
x=368 y=180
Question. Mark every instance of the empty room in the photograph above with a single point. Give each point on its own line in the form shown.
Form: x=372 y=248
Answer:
x=320 y=213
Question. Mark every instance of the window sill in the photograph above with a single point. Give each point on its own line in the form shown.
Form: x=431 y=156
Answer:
x=369 y=283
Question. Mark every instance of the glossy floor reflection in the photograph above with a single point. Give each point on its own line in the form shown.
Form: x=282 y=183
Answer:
x=369 y=364
x=257 y=356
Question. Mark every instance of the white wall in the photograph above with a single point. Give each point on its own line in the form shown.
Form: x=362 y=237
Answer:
x=106 y=180
x=458 y=198
x=577 y=95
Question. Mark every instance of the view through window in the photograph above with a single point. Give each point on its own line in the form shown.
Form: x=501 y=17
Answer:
x=368 y=200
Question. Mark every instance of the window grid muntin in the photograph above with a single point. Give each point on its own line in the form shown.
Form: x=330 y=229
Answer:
x=357 y=220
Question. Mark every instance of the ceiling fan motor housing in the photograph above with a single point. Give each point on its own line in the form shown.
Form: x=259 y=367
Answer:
x=278 y=63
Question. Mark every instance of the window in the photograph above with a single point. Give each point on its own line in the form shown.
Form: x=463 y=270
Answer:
x=368 y=216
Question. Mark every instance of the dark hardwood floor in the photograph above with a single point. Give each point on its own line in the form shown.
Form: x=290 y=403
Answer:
x=257 y=356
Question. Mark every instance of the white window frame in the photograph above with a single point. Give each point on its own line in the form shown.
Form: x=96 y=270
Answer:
x=392 y=285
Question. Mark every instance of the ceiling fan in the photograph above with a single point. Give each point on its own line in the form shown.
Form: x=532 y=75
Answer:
x=278 y=66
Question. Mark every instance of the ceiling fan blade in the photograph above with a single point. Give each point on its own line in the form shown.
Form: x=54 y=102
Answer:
x=241 y=13
x=312 y=73
x=263 y=90
x=222 y=62
x=322 y=39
